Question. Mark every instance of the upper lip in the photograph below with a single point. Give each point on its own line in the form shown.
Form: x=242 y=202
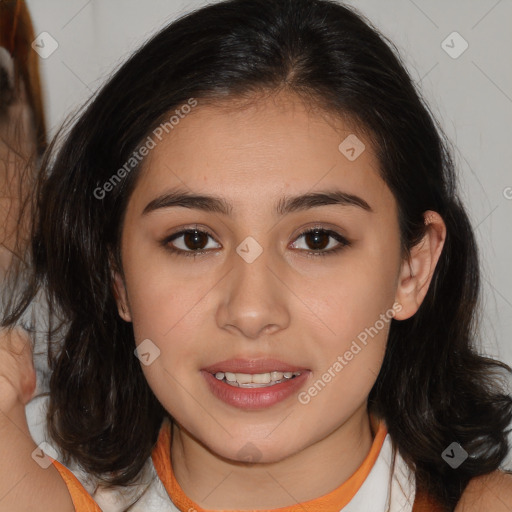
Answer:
x=252 y=366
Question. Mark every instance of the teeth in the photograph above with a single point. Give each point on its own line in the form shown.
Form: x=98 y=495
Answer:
x=256 y=380
x=243 y=378
x=276 y=375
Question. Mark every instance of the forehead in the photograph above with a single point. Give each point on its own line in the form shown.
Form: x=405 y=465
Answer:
x=254 y=151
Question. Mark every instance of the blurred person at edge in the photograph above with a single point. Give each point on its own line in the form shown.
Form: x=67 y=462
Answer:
x=22 y=128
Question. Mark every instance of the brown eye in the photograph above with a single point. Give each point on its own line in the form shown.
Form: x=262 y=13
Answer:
x=321 y=242
x=317 y=239
x=194 y=240
x=189 y=241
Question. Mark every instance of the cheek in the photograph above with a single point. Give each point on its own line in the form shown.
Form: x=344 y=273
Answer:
x=162 y=298
x=354 y=296
x=169 y=311
x=358 y=314
x=354 y=307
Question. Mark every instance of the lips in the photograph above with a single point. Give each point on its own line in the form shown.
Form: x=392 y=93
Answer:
x=255 y=397
x=252 y=366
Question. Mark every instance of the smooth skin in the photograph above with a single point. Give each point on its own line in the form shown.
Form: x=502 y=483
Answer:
x=285 y=305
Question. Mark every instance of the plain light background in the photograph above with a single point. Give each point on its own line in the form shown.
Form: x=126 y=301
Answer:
x=471 y=95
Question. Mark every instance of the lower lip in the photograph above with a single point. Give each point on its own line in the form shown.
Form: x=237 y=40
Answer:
x=254 y=398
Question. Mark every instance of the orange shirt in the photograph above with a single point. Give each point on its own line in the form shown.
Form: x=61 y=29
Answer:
x=331 y=502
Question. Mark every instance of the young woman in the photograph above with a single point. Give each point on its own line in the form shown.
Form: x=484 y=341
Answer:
x=269 y=286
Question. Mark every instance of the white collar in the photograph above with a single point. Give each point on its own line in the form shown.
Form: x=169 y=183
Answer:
x=388 y=487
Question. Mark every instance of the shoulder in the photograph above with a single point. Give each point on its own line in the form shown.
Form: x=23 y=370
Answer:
x=487 y=492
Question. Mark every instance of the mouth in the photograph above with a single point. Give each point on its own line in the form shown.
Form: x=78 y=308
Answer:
x=254 y=383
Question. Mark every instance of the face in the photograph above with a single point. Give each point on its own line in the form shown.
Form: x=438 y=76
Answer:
x=262 y=279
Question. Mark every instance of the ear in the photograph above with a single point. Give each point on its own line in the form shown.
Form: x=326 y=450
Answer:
x=120 y=294
x=416 y=272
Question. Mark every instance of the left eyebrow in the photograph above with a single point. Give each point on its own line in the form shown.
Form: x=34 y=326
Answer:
x=285 y=205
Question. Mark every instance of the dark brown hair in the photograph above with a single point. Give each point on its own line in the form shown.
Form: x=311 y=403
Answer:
x=433 y=389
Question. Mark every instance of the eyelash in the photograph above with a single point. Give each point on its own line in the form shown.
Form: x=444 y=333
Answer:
x=343 y=242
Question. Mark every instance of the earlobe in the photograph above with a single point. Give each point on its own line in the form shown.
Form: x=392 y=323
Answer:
x=416 y=272
x=120 y=295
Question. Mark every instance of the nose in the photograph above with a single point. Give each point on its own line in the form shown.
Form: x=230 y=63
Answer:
x=253 y=299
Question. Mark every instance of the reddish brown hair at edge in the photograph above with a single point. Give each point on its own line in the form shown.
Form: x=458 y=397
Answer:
x=16 y=36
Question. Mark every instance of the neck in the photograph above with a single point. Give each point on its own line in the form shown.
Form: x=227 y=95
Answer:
x=217 y=483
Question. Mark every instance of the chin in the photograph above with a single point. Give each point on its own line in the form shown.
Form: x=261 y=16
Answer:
x=256 y=451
